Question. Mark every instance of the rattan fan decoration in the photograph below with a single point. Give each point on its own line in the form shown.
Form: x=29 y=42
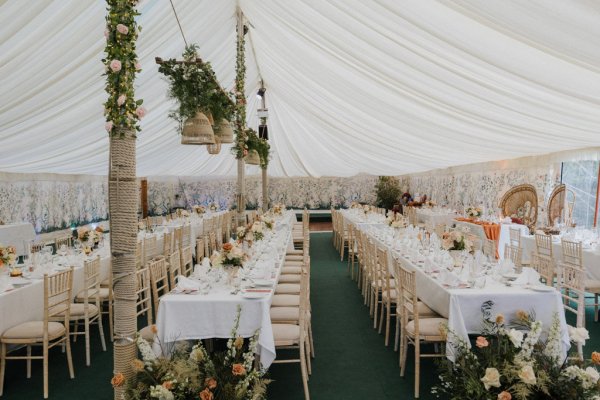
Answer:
x=560 y=198
x=521 y=202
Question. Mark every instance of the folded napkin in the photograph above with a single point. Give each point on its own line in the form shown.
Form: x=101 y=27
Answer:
x=186 y=284
x=529 y=276
x=506 y=267
x=449 y=278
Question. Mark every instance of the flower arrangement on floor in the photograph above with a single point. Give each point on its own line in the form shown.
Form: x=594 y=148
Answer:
x=8 y=255
x=510 y=361
x=457 y=240
x=473 y=212
x=230 y=254
x=198 y=374
x=199 y=209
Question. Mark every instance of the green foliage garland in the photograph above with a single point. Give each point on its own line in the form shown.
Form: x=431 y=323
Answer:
x=121 y=109
x=193 y=84
x=240 y=148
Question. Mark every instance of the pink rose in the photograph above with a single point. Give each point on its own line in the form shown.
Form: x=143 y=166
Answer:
x=121 y=99
x=115 y=65
x=106 y=33
x=108 y=126
x=122 y=29
x=481 y=342
x=138 y=66
x=140 y=112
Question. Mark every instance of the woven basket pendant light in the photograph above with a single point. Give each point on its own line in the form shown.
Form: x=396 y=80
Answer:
x=225 y=132
x=214 y=148
x=197 y=130
x=252 y=158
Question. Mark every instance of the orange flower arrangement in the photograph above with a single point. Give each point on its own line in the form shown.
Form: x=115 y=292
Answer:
x=482 y=342
x=167 y=385
x=206 y=395
x=596 y=358
x=210 y=383
x=504 y=395
x=118 y=380
x=138 y=365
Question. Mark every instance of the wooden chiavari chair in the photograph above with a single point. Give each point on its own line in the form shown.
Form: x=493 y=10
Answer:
x=514 y=253
x=572 y=289
x=187 y=261
x=159 y=280
x=144 y=303
x=573 y=255
x=63 y=240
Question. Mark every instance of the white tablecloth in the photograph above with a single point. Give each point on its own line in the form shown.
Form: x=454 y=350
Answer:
x=427 y=216
x=192 y=317
x=27 y=303
x=462 y=307
x=15 y=234
x=591 y=257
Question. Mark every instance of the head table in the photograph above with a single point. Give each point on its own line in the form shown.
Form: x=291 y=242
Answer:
x=209 y=311
x=461 y=302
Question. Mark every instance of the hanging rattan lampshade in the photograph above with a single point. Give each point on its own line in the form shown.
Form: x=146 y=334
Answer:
x=197 y=130
x=225 y=131
x=252 y=158
x=214 y=148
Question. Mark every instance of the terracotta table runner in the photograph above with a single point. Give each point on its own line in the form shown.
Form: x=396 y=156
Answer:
x=491 y=230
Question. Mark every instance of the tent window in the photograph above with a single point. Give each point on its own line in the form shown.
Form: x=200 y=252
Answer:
x=582 y=178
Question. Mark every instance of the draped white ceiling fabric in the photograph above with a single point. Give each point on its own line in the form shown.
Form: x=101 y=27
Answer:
x=353 y=86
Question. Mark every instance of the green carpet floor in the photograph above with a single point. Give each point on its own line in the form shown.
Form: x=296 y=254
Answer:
x=351 y=359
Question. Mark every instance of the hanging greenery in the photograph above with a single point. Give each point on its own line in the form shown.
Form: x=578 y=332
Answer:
x=261 y=146
x=193 y=84
x=121 y=109
x=240 y=149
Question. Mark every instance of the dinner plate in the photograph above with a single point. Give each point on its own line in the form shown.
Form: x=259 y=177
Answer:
x=510 y=276
x=541 y=288
x=263 y=282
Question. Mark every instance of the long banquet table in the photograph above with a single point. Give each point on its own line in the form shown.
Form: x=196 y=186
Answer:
x=203 y=316
x=26 y=303
x=462 y=307
x=591 y=256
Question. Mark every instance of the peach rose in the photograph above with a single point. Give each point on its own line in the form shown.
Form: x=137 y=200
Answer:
x=122 y=29
x=499 y=319
x=504 y=395
x=167 y=385
x=206 y=395
x=527 y=375
x=121 y=99
x=153 y=329
x=118 y=380
x=210 y=383
x=481 y=342
x=140 y=112
x=115 y=65
x=137 y=365
x=596 y=358
x=238 y=369
x=227 y=246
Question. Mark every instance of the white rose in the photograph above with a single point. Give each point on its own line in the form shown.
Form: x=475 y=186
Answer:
x=578 y=335
x=516 y=337
x=592 y=376
x=491 y=378
x=527 y=375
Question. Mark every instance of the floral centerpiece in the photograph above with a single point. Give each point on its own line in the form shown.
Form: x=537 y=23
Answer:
x=278 y=209
x=230 y=254
x=355 y=204
x=473 y=212
x=8 y=255
x=213 y=207
x=511 y=361
x=257 y=230
x=85 y=234
x=457 y=240
x=183 y=213
x=396 y=221
x=142 y=225
x=268 y=222
x=366 y=208
x=197 y=373
x=199 y=209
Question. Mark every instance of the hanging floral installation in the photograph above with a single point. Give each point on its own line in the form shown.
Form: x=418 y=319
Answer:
x=121 y=109
x=194 y=85
x=240 y=149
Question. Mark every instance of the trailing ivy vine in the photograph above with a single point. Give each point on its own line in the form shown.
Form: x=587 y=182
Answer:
x=121 y=109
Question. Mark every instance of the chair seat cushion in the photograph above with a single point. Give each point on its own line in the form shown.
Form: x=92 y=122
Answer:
x=428 y=327
x=425 y=311
x=592 y=285
x=291 y=270
x=285 y=314
x=290 y=278
x=286 y=333
x=287 y=288
x=286 y=300
x=146 y=333
x=34 y=330
x=103 y=293
x=78 y=310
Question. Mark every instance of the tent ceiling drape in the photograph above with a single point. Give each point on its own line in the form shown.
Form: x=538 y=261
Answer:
x=353 y=86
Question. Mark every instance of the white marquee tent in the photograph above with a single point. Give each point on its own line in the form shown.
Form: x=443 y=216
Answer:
x=379 y=87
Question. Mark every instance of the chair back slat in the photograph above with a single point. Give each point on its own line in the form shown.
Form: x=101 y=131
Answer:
x=159 y=280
